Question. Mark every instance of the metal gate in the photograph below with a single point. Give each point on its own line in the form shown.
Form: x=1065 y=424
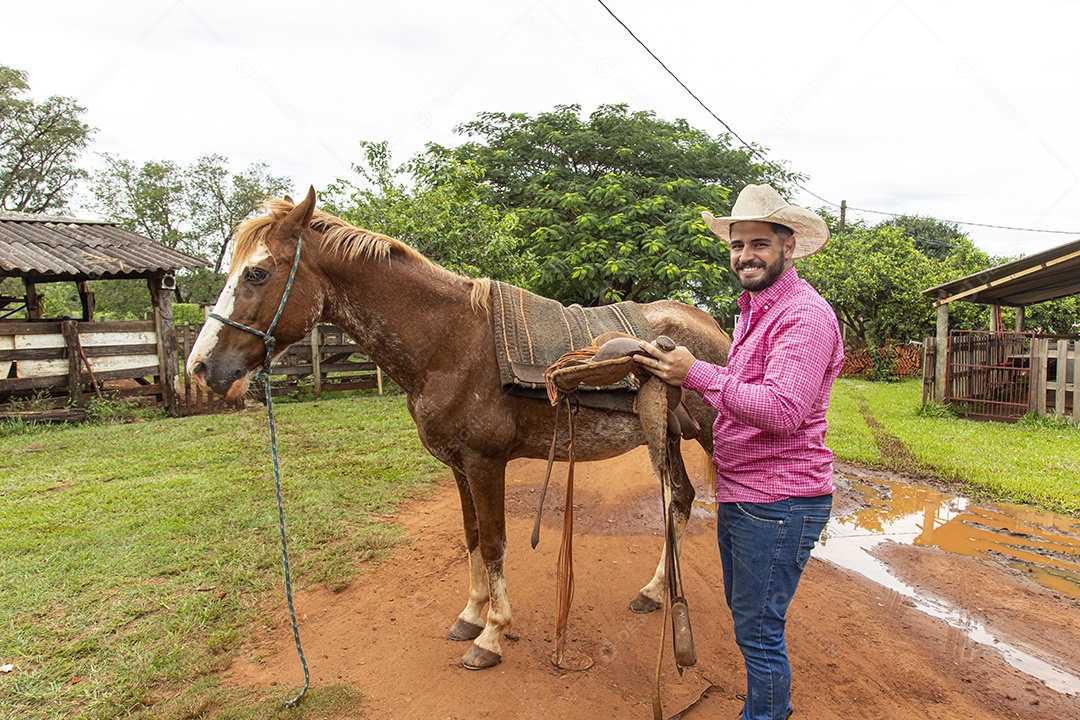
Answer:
x=989 y=373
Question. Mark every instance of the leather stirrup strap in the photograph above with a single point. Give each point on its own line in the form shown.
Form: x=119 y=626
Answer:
x=657 y=707
x=547 y=478
x=565 y=591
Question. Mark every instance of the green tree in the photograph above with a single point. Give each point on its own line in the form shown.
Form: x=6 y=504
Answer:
x=934 y=238
x=874 y=277
x=193 y=209
x=218 y=201
x=1054 y=317
x=611 y=205
x=149 y=199
x=40 y=143
x=874 y=280
x=433 y=202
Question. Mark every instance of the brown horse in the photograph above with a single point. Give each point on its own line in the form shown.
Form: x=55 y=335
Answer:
x=431 y=331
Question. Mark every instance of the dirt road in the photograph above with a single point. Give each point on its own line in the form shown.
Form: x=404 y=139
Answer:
x=858 y=650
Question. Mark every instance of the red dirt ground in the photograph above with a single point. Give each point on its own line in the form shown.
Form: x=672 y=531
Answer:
x=858 y=650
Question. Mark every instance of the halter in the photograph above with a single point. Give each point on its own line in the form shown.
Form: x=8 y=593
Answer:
x=268 y=337
x=264 y=376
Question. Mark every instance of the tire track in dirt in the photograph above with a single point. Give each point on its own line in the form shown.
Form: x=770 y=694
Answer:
x=892 y=448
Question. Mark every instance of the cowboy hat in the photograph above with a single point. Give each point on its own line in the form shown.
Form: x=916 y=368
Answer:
x=761 y=203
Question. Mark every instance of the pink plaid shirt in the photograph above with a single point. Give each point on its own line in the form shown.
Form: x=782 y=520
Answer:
x=772 y=395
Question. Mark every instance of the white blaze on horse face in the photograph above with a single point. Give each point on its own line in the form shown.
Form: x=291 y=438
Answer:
x=208 y=337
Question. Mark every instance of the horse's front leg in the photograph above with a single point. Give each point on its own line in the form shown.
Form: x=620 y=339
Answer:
x=470 y=623
x=486 y=479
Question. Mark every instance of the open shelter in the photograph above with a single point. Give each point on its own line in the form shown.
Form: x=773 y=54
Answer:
x=1000 y=374
x=55 y=361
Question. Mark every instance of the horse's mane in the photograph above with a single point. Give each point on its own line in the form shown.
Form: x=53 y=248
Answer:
x=352 y=242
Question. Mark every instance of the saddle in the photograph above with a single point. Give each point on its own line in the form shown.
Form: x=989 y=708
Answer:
x=611 y=359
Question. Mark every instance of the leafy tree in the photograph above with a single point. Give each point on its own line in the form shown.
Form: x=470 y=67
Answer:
x=433 y=202
x=120 y=299
x=149 y=199
x=874 y=280
x=219 y=200
x=40 y=143
x=934 y=238
x=1055 y=317
x=611 y=205
x=193 y=209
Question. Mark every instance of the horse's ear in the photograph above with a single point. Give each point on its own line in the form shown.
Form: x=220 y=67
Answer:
x=299 y=218
x=288 y=199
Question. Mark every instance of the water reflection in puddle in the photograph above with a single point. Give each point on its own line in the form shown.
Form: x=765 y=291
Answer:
x=1045 y=546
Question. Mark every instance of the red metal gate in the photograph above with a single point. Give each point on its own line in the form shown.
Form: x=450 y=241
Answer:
x=989 y=373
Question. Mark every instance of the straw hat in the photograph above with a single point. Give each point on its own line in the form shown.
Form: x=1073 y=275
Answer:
x=761 y=203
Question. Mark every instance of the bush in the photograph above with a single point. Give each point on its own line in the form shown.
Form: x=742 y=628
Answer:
x=191 y=313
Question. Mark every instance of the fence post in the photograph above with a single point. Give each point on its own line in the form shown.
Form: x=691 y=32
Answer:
x=165 y=329
x=316 y=360
x=1075 y=385
x=928 y=364
x=1038 y=376
x=70 y=332
x=1062 y=377
x=941 y=367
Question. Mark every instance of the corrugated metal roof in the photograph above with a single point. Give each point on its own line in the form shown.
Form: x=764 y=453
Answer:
x=1043 y=276
x=45 y=246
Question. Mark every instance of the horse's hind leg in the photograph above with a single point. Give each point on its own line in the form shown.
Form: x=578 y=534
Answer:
x=486 y=484
x=470 y=623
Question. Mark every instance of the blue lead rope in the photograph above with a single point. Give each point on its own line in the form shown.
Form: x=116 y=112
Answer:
x=284 y=546
x=263 y=376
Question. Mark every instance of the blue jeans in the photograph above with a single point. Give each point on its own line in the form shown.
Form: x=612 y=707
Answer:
x=763 y=550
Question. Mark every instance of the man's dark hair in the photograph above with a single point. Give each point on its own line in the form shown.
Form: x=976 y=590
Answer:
x=782 y=231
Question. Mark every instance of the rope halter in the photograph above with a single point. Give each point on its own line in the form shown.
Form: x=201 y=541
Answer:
x=267 y=337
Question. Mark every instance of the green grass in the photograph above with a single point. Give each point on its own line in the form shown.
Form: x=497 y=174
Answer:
x=136 y=558
x=1033 y=461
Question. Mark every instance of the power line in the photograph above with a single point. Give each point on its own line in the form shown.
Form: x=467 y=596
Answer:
x=750 y=147
x=963 y=222
x=754 y=151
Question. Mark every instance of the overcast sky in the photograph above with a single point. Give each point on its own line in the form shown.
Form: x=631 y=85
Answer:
x=961 y=110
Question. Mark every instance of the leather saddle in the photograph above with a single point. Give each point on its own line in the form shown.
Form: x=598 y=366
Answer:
x=610 y=359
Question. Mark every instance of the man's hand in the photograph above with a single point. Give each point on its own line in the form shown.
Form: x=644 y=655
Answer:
x=670 y=366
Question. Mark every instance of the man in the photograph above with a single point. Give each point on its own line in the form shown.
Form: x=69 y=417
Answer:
x=774 y=472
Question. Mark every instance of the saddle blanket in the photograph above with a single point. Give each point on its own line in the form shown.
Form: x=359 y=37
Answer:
x=532 y=332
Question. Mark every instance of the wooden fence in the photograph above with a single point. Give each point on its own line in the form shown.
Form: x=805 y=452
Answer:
x=327 y=360
x=1055 y=363
x=46 y=368
x=1003 y=376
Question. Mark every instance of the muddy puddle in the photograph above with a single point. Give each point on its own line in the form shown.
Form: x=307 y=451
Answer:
x=1042 y=545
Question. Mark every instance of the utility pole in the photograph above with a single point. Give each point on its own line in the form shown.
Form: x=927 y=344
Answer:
x=843 y=214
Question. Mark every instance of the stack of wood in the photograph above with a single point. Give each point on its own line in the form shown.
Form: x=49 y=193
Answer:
x=905 y=360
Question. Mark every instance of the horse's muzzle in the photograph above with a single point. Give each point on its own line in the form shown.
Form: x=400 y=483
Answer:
x=226 y=382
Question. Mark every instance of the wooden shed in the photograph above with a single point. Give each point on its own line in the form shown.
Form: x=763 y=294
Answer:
x=1002 y=373
x=57 y=361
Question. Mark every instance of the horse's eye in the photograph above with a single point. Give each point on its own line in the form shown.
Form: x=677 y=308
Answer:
x=255 y=275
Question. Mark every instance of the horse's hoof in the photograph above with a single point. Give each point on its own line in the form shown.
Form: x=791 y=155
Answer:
x=463 y=630
x=643 y=605
x=477 y=658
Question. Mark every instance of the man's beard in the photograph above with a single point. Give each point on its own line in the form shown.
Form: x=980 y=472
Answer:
x=764 y=280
